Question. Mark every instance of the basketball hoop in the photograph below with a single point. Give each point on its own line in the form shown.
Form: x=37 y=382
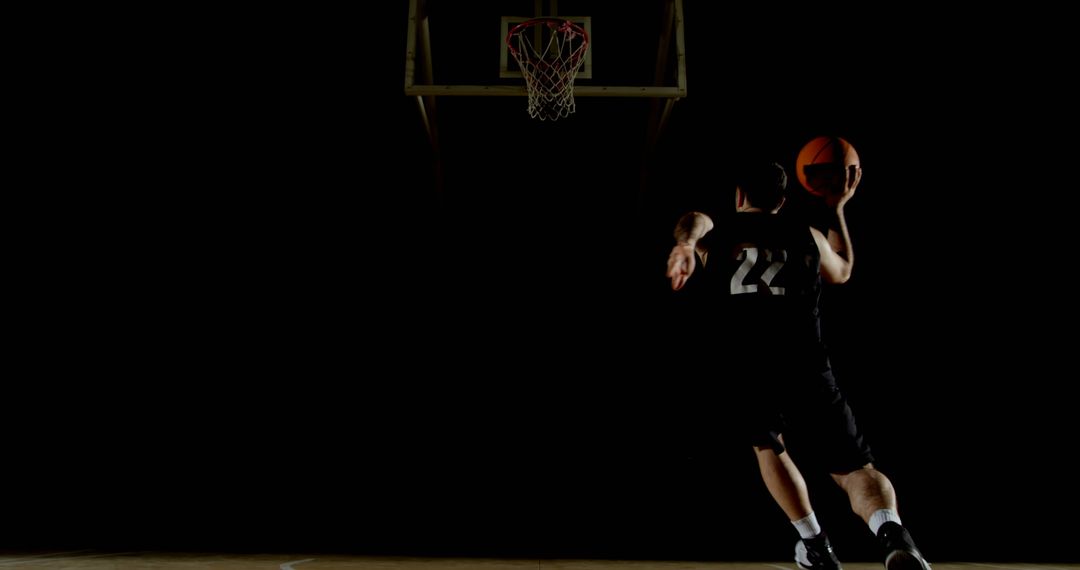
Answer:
x=550 y=70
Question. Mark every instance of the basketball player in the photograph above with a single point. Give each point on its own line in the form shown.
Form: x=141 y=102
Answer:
x=761 y=274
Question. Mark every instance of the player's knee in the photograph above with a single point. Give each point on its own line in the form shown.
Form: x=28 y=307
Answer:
x=844 y=478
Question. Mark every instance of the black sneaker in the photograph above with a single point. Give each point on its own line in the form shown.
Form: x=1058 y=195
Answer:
x=816 y=554
x=900 y=550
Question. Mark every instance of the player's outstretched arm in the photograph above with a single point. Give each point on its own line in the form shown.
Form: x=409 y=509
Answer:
x=688 y=231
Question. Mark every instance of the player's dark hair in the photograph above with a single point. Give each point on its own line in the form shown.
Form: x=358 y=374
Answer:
x=763 y=184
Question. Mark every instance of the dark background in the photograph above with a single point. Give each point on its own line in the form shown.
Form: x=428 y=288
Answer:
x=281 y=336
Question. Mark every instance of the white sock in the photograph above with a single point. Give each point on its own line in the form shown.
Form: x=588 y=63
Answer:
x=882 y=516
x=808 y=526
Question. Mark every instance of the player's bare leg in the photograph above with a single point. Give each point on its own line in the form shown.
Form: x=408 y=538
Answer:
x=784 y=481
x=868 y=489
x=788 y=489
x=873 y=498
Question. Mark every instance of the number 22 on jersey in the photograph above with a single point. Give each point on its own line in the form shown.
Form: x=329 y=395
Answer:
x=758 y=269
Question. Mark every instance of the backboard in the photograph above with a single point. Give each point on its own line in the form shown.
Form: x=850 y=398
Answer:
x=457 y=48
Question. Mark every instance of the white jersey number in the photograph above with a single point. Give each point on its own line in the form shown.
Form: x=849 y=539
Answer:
x=749 y=257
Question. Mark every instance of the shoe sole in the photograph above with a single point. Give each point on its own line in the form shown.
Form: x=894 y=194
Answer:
x=804 y=567
x=905 y=560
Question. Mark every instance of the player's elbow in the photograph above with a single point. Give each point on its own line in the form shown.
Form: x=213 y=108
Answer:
x=838 y=275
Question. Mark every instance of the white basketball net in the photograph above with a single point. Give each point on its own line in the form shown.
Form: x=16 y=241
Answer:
x=550 y=70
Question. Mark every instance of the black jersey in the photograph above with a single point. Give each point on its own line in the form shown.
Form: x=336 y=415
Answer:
x=763 y=280
x=766 y=358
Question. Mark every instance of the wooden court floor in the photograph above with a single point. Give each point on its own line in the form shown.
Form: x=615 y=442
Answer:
x=93 y=560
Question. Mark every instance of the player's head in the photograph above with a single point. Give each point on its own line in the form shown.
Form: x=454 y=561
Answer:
x=763 y=185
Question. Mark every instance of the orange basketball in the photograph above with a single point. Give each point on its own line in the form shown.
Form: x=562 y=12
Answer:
x=821 y=157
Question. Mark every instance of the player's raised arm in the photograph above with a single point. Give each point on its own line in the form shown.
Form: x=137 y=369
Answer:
x=829 y=167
